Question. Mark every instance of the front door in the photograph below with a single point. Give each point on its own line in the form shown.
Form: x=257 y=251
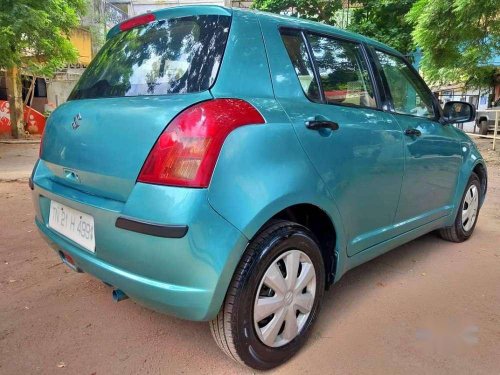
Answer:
x=433 y=155
x=361 y=161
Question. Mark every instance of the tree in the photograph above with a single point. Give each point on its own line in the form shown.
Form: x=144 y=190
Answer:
x=458 y=39
x=384 y=21
x=316 y=10
x=35 y=39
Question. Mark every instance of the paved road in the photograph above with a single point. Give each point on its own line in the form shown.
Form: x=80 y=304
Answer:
x=429 y=306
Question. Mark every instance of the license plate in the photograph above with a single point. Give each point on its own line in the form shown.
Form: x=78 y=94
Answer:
x=73 y=224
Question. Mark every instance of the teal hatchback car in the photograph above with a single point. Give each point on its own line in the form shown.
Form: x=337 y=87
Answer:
x=228 y=166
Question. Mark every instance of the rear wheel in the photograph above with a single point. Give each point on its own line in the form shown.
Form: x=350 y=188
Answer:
x=466 y=218
x=483 y=127
x=273 y=299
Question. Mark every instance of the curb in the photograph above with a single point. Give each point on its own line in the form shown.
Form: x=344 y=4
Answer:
x=20 y=141
x=13 y=179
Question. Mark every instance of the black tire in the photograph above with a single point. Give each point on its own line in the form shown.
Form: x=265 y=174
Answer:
x=483 y=127
x=457 y=233
x=233 y=329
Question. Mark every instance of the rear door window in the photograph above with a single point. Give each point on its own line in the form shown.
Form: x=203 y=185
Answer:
x=343 y=71
x=173 y=56
x=297 y=51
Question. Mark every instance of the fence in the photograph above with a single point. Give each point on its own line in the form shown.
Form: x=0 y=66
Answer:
x=495 y=131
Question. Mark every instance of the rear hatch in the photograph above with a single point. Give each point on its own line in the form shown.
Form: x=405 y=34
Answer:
x=141 y=79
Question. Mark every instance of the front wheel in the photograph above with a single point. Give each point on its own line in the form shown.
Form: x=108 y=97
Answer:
x=467 y=214
x=273 y=299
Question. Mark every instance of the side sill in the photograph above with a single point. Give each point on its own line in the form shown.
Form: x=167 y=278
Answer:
x=152 y=229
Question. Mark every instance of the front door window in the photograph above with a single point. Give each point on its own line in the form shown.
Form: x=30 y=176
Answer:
x=409 y=95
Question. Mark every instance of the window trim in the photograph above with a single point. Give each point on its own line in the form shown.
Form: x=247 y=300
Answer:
x=385 y=98
x=300 y=32
x=372 y=73
x=390 y=100
x=375 y=78
x=317 y=77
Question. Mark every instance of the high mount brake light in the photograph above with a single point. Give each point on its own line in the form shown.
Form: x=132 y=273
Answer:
x=143 y=19
x=187 y=150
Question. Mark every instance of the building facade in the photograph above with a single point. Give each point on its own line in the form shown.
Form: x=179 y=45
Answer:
x=136 y=7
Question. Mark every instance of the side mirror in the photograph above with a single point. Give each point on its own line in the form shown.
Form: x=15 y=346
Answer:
x=458 y=112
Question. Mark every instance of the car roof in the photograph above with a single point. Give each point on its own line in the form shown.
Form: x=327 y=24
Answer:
x=285 y=21
x=321 y=28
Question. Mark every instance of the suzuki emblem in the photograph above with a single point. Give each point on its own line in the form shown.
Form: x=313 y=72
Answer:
x=75 y=125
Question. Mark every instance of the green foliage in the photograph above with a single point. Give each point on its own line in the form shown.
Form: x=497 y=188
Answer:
x=384 y=21
x=34 y=34
x=96 y=20
x=97 y=33
x=458 y=38
x=316 y=10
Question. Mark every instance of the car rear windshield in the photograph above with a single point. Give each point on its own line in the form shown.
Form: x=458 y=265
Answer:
x=174 y=56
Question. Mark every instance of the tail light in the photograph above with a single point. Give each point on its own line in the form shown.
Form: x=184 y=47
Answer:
x=186 y=152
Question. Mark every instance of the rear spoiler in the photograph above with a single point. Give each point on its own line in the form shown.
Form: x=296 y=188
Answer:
x=167 y=13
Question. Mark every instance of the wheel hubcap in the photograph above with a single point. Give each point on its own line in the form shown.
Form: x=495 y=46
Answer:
x=470 y=207
x=284 y=298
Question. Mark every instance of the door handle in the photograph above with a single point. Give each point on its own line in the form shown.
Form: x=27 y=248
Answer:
x=321 y=124
x=412 y=131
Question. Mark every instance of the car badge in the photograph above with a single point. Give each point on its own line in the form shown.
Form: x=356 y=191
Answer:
x=75 y=124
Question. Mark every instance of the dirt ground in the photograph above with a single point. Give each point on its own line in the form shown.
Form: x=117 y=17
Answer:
x=16 y=161
x=429 y=306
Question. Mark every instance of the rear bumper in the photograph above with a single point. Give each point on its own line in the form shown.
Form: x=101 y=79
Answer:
x=181 y=301
x=186 y=277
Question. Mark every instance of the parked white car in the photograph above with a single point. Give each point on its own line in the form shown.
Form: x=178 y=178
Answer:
x=485 y=120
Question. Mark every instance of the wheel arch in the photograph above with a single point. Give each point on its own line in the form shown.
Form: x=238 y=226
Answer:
x=473 y=163
x=332 y=243
x=480 y=170
x=322 y=227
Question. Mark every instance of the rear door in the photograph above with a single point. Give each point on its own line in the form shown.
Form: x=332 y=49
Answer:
x=141 y=79
x=325 y=82
x=432 y=153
